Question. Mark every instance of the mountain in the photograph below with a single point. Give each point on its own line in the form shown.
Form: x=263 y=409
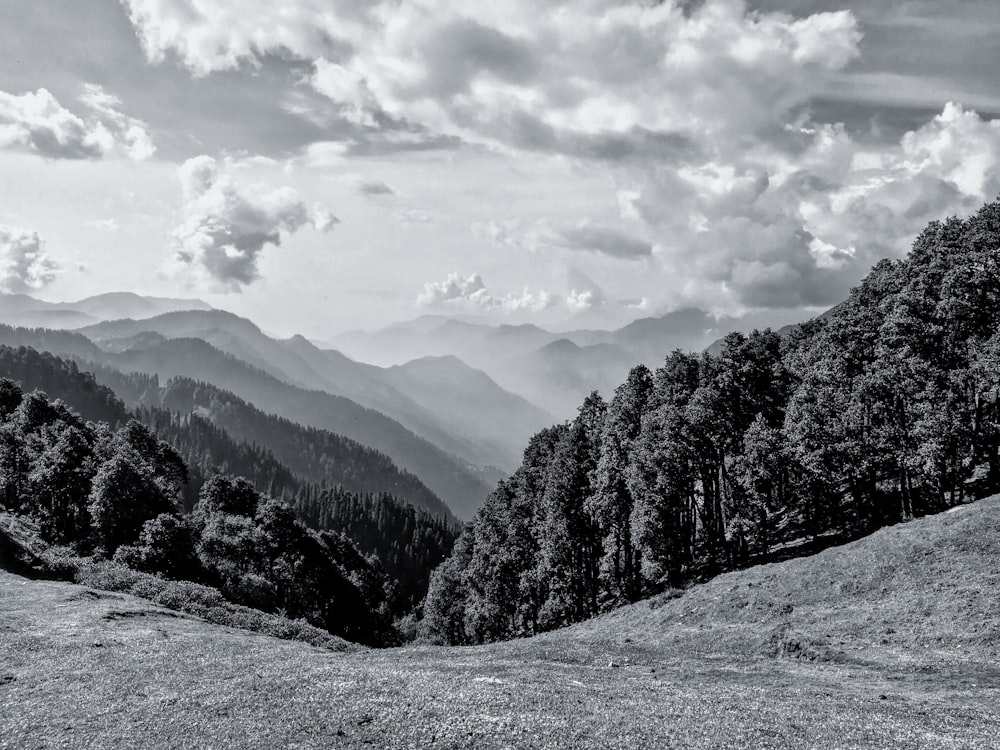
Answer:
x=890 y=641
x=562 y=373
x=553 y=370
x=318 y=456
x=446 y=476
x=472 y=422
x=115 y=305
x=331 y=483
x=460 y=486
x=28 y=312
x=468 y=402
x=717 y=346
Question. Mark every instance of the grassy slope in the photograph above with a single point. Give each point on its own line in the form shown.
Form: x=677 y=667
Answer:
x=891 y=641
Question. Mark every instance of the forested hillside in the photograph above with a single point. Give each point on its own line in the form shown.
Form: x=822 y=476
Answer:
x=49 y=465
x=884 y=410
x=454 y=481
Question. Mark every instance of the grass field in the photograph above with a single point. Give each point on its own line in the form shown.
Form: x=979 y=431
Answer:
x=891 y=641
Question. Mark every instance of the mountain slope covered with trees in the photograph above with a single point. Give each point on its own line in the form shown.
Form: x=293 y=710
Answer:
x=452 y=480
x=885 y=410
x=49 y=472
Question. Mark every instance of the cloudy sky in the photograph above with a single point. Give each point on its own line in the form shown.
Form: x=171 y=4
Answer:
x=321 y=165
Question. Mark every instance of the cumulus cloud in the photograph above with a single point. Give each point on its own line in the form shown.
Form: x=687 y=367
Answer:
x=583 y=301
x=219 y=36
x=585 y=294
x=455 y=287
x=798 y=223
x=552 y=78
x=226 y=227
x=24 y=265
x=699 y=111
x=37 y=123
x=470 y=293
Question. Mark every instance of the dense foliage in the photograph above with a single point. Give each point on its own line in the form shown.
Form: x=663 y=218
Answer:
x=314 y=454
x=118 y=493
x=154 y=490
x=884 y=410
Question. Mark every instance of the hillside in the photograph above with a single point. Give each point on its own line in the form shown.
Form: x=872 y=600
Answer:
x=451 y=479
x=444 y=474
x=315 y=455
x=890 y=641
x=468 y=402
x=463 y=423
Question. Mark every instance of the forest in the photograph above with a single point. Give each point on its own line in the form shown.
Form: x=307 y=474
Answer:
x=879 y=411
x=176 y=496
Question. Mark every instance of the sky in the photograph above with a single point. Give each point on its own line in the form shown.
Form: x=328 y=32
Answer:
x=326 y=165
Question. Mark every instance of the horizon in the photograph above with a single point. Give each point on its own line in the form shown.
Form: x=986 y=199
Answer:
x=581 y=168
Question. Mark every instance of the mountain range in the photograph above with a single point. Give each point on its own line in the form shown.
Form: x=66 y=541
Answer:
x=555 y=370
x=28 y=312
x=452 y=401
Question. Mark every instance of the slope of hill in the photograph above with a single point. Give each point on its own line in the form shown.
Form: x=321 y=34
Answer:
x=890 y=641
x=315 y=455
x=445 y=475
x=562 y=373
x=411 y=401
x=453 y=481
x=49 y=452
x=468 y=402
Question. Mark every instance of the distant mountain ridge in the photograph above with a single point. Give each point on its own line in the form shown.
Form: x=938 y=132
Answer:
x=479 y=421
x=29 y=312
x=553 y=370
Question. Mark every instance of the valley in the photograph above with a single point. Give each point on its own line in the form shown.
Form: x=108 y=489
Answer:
x=432 y=374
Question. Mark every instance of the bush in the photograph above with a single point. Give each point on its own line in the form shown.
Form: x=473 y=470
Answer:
x=200 y=601
x=166 y=547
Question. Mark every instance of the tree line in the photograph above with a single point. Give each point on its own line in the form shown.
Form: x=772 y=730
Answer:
x=882 y=410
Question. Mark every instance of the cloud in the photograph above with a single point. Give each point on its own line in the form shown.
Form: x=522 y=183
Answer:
x=583 y=301
x=126 y=133
x=502 y=233
x=106 y=225
x=798 y=222
x=375 y=187
x=585 y=294
x=700 y=113
x=225 y=227
x=455 y=287
x=347 y=90
x=471 y=293
x=37 y=123
x=605 y=241
x=219 y=36
x=642 y=304
x=24 y=266
x=568 y=77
